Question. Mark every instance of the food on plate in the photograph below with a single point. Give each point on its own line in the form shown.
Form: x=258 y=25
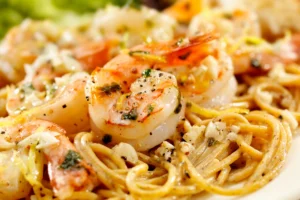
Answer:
x=136 y=103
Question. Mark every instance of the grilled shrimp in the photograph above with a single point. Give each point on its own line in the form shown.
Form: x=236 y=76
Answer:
x=132 y=101
x=67 y=171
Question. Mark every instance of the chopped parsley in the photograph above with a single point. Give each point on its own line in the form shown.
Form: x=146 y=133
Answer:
x=71 y=160
x=146 y=73
x=132 y=115
x=150 y=109
x=108 y=89
x=212 y=141
x=179 y=42
x=107 y=138
x=27 y=88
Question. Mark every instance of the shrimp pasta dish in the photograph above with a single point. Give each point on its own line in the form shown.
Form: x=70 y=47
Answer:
x=202 y=97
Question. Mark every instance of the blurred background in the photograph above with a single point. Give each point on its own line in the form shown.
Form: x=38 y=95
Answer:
x=12 y=12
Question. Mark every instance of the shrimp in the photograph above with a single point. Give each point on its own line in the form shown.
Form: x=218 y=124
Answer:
x=131 y=26
x=92 y=54
x=58 y=105
x=143 y=115
x=262 y=57
x=22 y=45
x=39 y=79
x=240 y=30
x=130 y=100
x=231 y=24
x=67 y=171
x=46 y=48
x=203 y=70
x=13 y=185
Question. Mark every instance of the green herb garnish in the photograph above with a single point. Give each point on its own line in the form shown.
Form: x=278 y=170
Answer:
x=146 y=73
x=71 y=161
x=179 y=42
x=132 y=115
x=108 y=89
x=150 y=109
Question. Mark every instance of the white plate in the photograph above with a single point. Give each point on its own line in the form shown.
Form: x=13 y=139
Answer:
x=286 y=186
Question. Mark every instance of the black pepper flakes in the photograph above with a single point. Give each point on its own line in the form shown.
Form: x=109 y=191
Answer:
x=151 y=167
x=132 y=115
x=107 y=138
x=184 y=56
x=64 y=106
x=187 y=174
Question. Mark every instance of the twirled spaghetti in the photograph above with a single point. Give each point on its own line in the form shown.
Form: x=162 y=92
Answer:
x=213 y=111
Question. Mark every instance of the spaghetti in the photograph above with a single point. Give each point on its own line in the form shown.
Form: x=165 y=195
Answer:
x=211 y=133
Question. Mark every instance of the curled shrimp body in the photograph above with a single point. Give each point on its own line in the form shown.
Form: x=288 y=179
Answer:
x=203 y=70
x=43 y=47
x=261 y=57
x=130 y=99
x=240 y=30
x=22 y=45
x=64 y=103
x=65 y=177
x=142 y=111
x=130 y=26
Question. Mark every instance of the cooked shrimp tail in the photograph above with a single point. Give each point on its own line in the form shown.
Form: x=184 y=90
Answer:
x=68 y=172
